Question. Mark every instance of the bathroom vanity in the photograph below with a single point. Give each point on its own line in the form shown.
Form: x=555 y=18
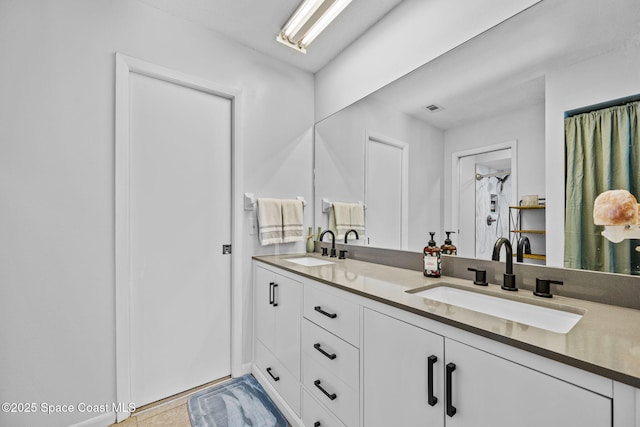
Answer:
x=353 y=343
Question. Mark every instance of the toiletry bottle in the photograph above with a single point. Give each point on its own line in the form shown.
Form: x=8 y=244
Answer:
x=449 y=248
x=432 y=258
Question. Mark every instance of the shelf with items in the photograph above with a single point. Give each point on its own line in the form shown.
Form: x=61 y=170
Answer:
x=535 y=228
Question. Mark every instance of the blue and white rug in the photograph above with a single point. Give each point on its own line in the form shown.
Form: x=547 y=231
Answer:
x=240 y=402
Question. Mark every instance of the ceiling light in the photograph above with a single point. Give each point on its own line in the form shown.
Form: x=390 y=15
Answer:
x=308 y=21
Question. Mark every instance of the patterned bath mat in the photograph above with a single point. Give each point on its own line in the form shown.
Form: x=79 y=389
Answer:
x=240 y=402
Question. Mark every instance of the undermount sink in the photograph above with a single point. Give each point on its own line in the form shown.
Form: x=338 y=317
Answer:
x=550 y=319
x=308 y=261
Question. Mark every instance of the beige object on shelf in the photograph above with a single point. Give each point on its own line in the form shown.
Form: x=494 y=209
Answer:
x=531 y=200
x=615 y=207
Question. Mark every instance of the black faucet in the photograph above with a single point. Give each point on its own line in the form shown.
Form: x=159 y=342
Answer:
x=509 y=283
x=524 y=247
x=348 y=232
x=333 y=242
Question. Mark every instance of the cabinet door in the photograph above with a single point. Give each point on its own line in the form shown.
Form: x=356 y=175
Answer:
x=287 y=305
x=264 y=312
x=396 y=374
x=490 y=391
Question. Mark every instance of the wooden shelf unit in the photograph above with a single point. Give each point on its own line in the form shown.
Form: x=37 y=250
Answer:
x=516 y=231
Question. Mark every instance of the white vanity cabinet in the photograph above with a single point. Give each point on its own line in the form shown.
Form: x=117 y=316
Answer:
x=489 y=390
x=278 y=314
x=470 y=387
x=403 y=373
x=330 y=357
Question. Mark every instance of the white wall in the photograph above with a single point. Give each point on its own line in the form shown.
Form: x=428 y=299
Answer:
x=608 y=76
x=526 y=125
x=57 y=323
x=412 y=34
x=340 y=163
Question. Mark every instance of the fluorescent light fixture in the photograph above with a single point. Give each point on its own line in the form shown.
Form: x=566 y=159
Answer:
x=308 y=21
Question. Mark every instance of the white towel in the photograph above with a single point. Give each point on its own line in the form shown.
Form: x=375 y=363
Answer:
x=357 y=218
x=292 y=221
x=340 y=219
x=270 y=221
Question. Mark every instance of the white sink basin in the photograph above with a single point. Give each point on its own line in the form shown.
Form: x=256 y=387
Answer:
x=533 y=315
x=308 y=261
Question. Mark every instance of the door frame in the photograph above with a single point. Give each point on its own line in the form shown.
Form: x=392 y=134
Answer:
x=404 y=205
x=125 y=65
x=455 y=174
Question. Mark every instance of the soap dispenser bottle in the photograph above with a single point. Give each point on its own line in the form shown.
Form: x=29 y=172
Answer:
x=432 y=258
x=449 y=248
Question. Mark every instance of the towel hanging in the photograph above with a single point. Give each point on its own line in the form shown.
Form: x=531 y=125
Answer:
x=292 y=221
x=270 y=221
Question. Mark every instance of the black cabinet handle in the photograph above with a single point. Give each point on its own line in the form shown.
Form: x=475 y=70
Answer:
x=321 y=311
x=316 y=424
x=272 y=376
x=330 y=356
x=451 y=410
x=431 y=399
x=331 y=396
x=271 y=292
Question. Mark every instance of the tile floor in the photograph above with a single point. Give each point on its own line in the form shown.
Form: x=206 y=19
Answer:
x=170 y=412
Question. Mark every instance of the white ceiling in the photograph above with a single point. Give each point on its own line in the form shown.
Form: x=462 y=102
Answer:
x=504 y=68
x=255 y=23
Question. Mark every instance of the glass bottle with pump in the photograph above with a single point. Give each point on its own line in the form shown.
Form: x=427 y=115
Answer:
x=432 y=258
x=449 y=248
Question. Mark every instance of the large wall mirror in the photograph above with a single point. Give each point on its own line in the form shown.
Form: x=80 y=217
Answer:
x=451 y=145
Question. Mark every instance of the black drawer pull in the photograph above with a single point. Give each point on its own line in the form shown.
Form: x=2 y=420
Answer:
x=272 y=294
x=316 y=424
x=431 y=399
x=451 y=410
x=321 y=311
x=272 y=376
x=330 y=356
x=331 y=396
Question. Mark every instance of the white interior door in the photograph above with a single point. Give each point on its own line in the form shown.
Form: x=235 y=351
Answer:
x=386 y=192
x=180 y=216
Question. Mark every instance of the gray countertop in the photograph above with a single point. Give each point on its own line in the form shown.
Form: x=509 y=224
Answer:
x=606 y=341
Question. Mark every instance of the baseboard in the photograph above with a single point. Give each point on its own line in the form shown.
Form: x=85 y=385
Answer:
x=102 y=420
x=245 y=368
x=289 y=414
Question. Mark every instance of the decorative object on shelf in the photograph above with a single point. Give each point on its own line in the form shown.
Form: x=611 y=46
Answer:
x=617 y=211
x=517 y=230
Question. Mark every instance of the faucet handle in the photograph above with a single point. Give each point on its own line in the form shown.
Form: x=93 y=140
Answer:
x=543 y=288
x=343 y=252
x=324 y=251
x=481 y=277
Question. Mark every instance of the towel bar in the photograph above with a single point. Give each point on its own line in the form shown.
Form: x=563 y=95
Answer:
x=326 y=205
x=250 y=201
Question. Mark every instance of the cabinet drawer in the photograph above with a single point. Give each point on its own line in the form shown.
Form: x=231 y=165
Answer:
x=331 y=391
x=314 y=413
x=337 y=315
x=333 y=354
x=280 y=378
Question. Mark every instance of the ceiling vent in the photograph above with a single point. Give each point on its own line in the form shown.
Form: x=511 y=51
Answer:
x=433 y=108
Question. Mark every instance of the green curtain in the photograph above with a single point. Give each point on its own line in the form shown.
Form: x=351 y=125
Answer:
x=601 y=154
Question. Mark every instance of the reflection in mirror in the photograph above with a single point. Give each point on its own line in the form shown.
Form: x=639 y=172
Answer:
x=501 y=87
x=608 y=139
